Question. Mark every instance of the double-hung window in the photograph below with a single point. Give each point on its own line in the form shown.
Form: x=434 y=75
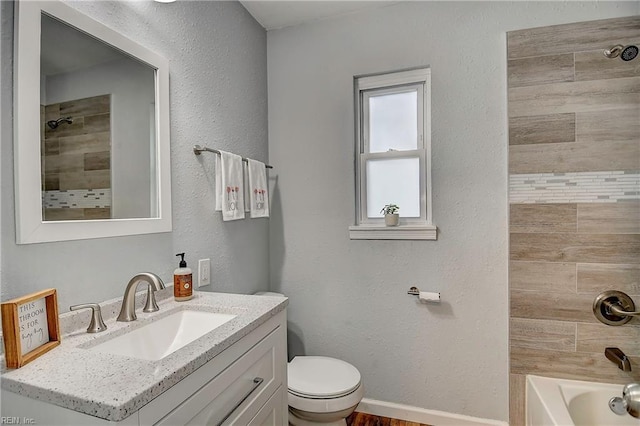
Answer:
x=393 y=142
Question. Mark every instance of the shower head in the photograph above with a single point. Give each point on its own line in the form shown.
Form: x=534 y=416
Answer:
x=53 y=124
x=626 y=53
x=629 y=53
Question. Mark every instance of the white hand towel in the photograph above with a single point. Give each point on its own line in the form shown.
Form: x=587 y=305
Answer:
x=219 y=192
x=247 y=187
x=229 y=186
x=258 y=189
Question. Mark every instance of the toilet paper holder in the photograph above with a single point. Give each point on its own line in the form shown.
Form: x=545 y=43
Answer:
x=425 y=296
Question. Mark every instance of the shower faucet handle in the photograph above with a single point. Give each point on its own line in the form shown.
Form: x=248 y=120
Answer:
x=614 y=307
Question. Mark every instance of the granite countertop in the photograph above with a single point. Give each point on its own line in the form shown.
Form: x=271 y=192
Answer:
x=113 y=387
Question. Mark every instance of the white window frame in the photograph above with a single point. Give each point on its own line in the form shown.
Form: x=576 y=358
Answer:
x=418 y=228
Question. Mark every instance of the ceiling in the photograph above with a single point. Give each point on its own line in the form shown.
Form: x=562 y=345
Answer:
x=59 y=57
x=276 y=14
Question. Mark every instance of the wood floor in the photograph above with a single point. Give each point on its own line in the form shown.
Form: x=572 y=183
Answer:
x=362 y=419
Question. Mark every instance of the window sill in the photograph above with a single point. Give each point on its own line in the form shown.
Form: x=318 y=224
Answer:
x=401 y=232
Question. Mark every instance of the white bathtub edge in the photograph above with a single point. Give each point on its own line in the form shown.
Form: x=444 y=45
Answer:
x=421 y=415
x=548 y=400
x=544 y=402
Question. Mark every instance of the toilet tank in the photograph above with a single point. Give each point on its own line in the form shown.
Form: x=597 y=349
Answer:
x=294 y=342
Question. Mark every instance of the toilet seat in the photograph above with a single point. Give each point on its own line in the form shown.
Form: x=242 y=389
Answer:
x=319 y=377
x=319 y=384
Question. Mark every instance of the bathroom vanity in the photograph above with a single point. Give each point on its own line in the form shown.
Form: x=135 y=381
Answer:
x=233 y=374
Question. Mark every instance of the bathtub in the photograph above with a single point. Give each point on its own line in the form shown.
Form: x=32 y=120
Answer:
x=562 y=402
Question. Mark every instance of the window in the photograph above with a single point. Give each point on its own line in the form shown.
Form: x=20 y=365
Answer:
x=393 y=141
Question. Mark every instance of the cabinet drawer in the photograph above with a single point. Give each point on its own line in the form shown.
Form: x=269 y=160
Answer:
x=244 y=386
x=272 y=413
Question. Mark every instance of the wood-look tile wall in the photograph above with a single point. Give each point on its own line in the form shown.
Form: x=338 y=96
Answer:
x=78 y=155
x=572 y=110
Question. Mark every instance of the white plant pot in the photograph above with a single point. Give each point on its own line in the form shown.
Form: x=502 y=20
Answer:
x=391 y=219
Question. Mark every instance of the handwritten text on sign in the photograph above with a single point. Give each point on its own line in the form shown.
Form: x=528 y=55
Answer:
x=32 y=318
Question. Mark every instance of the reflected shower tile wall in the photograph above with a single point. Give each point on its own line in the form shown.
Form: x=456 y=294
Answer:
x=582 y=187
x=77 y=199
x=77 y=160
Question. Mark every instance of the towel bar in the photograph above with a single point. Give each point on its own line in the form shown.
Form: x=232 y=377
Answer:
x=197 y=149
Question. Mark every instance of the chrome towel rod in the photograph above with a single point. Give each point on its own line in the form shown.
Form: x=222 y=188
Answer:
x=197 y=149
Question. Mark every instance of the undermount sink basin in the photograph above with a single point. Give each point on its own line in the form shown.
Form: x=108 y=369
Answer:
x=570 y=402
x=164 y=336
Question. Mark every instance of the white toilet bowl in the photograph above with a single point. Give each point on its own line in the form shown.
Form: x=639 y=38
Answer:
x=322 y=390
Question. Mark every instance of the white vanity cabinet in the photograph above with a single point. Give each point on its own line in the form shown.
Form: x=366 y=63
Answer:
x=231 y=388
x=243 y=385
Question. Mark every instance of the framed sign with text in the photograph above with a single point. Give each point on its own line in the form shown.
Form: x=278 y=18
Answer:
x=30 y=327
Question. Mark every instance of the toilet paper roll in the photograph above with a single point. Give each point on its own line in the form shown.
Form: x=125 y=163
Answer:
x=427 y=296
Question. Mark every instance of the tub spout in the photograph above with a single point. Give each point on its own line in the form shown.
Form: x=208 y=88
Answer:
x=619 y=358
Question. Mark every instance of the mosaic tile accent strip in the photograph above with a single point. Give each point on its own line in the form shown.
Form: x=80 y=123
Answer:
x=578 y=187
x=77 y=198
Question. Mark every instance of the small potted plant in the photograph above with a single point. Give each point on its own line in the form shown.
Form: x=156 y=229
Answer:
x=391 y=216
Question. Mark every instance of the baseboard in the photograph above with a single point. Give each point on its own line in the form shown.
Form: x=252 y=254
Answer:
x=421 y=415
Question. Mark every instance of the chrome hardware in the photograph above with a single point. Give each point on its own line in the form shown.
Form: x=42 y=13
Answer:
x=97 y=324
x=616 y=404
x=197 y=150
x=630 y=401
x=613 y=51
x=128 y=310
x=614 y=308
x=256 y=383
x=619 y=358
x=626 y=53
x=425 y=296
x=414 y=291
x=150 y=305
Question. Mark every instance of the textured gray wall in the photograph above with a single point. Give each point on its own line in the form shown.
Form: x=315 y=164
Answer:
x=348 y=298
x=218 y=78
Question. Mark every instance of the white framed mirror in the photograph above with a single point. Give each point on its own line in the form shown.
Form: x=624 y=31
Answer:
x=91 y=124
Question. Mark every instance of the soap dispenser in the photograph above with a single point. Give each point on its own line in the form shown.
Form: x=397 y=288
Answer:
x=182 y=281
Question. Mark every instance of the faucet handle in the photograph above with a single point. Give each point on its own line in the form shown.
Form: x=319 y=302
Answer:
x=97 y=324
x=150 y=305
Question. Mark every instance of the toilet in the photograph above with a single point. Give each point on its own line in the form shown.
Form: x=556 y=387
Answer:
x=321 y=390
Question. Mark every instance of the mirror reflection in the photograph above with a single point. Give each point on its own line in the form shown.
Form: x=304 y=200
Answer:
x=97 y=121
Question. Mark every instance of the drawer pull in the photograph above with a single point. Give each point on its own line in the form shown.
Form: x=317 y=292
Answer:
x=256 y=383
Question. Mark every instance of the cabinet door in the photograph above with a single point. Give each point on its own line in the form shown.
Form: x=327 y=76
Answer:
x=244 y=386
x=167 y=407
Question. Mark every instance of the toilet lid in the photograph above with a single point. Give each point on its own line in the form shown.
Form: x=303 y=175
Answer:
x=322 y=377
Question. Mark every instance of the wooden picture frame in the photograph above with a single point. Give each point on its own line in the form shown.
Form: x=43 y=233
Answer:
x=25 y=334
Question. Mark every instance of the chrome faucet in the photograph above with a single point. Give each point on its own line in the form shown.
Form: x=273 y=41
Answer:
x=619 y=358
x=128 y=310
